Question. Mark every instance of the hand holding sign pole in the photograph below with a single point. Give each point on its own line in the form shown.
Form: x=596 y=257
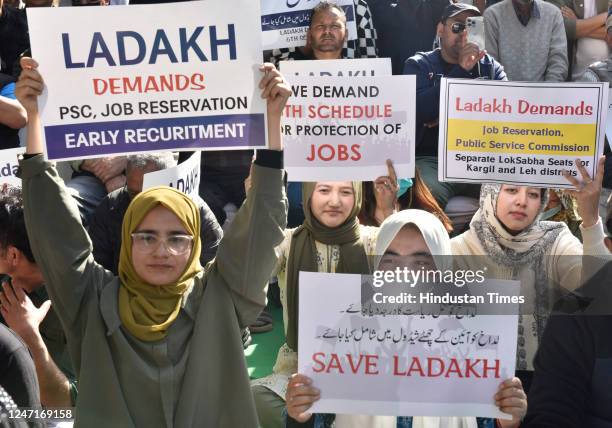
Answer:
x=276 y=91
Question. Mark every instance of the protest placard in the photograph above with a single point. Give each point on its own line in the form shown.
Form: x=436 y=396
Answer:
x=358 y=67
x=345 y=129
x=521 y=133
x=120 y=80
x=184 y=177
x=9 y=166
x=284 y=24
x=403 y=365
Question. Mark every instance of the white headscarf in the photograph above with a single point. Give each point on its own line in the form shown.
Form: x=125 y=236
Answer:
x=431 y=228
x=437 y=240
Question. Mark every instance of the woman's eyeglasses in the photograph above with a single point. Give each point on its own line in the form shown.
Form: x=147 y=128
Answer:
x=458 y=27
x=146 y=242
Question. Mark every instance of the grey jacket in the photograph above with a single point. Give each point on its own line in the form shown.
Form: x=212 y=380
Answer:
x=196 y=376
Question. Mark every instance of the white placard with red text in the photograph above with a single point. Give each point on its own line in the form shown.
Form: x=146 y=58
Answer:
x=370 y=364
x=341 y=129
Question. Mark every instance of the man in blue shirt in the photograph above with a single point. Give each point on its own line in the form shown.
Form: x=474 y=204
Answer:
x=455 y=58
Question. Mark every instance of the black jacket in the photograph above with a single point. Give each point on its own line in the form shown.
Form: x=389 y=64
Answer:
x=572 y=384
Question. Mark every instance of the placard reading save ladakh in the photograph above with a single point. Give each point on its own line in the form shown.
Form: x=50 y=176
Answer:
x=448 y=365
x=345 y=129
x=285 y=23
x=521 y=133
x=146 y=78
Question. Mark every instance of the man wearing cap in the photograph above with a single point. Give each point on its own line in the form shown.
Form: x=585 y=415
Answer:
x=455 y=58
x=528 y=37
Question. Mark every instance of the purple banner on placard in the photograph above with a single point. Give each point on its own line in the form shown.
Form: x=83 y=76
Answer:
x=203 y=132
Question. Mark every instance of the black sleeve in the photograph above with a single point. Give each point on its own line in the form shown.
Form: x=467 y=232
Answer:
x=101 y=237
x=269 y=158
x=210 y=233
x=563 y=366
x=17 y=371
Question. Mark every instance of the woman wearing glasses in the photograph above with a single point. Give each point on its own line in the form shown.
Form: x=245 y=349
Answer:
x=160 y=344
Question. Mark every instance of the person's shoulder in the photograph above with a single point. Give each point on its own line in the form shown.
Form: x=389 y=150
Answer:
x=368 y=231
x=497 y=8
x=118 y=199
x=424 y=58
x=10 y=13
x=548 y=8
x=10 y=342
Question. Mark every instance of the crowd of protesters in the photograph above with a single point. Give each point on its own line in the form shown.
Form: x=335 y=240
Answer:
x=134 y=306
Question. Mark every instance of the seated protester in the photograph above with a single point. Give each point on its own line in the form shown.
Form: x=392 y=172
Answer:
x=405 y=27
x=92 y=180
x=406 y=233
x=105 y=225
x=25 y=306
x=543 y=255
x=160 y=343
x=12 y=115
x=14 y=38
x=387 y=195
x=363 y=47
x=573 y=366
x=528 y=38
x=330 y=240
x=17 y=372
x=326 y=38
x=585 y=28
x=562 y=207
x=222 y=175
x=456 y=58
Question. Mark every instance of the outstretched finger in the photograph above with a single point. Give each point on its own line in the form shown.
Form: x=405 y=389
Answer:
x=586 y=178
x=573 y=180
x=392 y=174
x=600 y=170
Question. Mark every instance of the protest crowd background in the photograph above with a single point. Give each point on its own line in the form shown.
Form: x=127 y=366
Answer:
x=71 y=280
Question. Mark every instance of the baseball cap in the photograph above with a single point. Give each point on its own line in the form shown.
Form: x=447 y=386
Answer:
x=454 y=9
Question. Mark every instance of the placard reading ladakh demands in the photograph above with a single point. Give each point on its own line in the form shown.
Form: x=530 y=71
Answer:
x=345 y=129
x=184 y=177
x=284 y=23
x=447 y=365
x=122 y=80
x=357 y=67
x=521 y=133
